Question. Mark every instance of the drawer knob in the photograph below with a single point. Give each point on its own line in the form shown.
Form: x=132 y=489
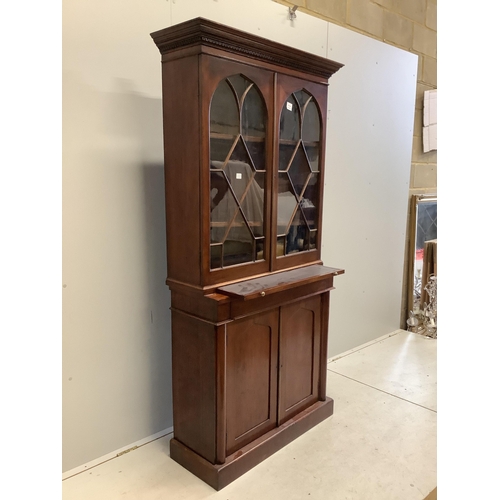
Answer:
x=262 y=294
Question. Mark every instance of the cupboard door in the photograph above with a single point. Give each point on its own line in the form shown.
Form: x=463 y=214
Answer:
x=237 y=109
x=300 y=335
x=300 y=119
x=251 y=374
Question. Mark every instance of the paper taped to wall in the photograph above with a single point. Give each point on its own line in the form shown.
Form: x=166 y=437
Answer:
x=429 y=133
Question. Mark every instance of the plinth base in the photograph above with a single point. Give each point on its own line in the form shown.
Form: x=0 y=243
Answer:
x=220 y=475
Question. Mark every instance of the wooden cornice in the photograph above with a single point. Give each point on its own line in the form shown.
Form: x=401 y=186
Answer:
x=202 y=32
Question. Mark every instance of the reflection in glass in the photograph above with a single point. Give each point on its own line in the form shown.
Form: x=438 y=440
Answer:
x=286 y=154
x=312 y=151
x=280 y=248
x=290 y=121
x=239 y=230
x=224 y=113
x=302 y=98
x=298 y=177
x=224 y=122
x=287 y=203
x=238 y=120
x=310 y=201
x=239 y=243
x=252 y=115
x=215 y=255
x=255 y=217
x=312 y=239
x=426 y=224
x=297 y=238
x=257 y=150
x=425 y=230
x=239 y=84
x=422 y=229
x=223 y=206
x=311 y=134
x=240 y=154
x=310 y=127
x=220 y=147
x=253 y=128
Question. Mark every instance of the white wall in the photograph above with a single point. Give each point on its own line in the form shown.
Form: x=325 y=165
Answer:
x=116 y=359
x=371 y=111
x=116 y=323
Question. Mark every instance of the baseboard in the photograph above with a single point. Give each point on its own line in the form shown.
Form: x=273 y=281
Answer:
x=117 y=453
x=362 y=346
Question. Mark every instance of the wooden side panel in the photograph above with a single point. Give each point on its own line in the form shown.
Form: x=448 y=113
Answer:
x=251 y=383
x=194 y=384
x=182 y=190
x=300 y=347
x=213 y=307
x=325 y=312
x=221 y=394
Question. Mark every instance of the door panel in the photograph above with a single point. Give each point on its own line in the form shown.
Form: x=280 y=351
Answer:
x=300 y=133
x=251 y=391
x=237 y=103
x=300 y=331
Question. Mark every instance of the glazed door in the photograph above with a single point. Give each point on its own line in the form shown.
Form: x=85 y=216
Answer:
x=301 y=122
x=238 y=109
x=251 y=375
x=300 y=347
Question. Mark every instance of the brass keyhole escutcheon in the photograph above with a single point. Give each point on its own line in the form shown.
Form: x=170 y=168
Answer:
x=262 y=294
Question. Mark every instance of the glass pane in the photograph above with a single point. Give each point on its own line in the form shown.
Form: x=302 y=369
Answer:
x=289 y=132
x=253 y=127
x=240 y=84
x=239 y=174
x=311 y=134
x=239 y=230
x=310 y=123
x=223 y=206
x=224 y=114
x=286 y=153
x=299 y=170
x=219 y=149
x=248 y=187
x=297 y=237
x=257 y=150
x=312 y=151
x=253 y=115
x=312 y=239
x=310 y=200
x=259 y=248
x=280 y=246
x=302 y=98
x=239 y=244
x=253 y=205
x=240 y=155
x=215 y=256
x=287 y=203
x=426 y=225
x=237 y=252
x=290 y=121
